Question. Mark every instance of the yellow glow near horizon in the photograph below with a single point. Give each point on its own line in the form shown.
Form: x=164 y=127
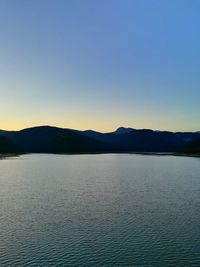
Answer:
x=102 y=126
x=67 y=69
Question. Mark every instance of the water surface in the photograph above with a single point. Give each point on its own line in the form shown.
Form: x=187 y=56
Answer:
x=99 y=210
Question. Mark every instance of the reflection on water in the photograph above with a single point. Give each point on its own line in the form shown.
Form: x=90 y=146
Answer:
x=99 y=210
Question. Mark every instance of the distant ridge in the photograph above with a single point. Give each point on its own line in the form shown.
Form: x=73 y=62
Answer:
x=49 y=139
x=122 y=130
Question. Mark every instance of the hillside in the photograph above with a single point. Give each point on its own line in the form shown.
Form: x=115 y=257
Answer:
x=8 y=146
x=192 y=148
x=47 y=139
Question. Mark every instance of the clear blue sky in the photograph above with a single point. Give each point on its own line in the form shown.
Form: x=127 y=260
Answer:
x=100 y=64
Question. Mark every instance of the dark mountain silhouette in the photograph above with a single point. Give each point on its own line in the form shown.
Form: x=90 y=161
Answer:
x=122 y=130
x=8 y=146
x=192 y=148
x=47 y=139
x=144 y=140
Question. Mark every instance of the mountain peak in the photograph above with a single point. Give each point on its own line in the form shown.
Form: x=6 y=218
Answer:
x=123 y=130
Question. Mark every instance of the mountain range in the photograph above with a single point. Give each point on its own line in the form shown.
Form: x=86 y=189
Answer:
x=48 y=139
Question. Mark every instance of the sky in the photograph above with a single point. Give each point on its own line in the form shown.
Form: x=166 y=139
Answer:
x=100 y=64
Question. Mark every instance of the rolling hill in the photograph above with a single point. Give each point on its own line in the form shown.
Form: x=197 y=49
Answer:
x=47 y=139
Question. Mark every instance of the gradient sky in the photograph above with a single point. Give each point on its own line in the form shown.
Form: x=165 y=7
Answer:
x=100 y=64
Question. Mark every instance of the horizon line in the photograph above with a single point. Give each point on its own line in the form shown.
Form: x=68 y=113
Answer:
x=82 y=130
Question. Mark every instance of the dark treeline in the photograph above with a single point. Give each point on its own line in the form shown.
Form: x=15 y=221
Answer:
x=46 y=139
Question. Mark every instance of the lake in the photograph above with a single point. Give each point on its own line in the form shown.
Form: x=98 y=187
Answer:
x=99 y=210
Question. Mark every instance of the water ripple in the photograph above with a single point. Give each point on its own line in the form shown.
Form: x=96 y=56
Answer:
x=100 y=210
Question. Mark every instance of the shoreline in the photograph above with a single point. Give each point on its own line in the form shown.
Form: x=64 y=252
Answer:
x=11 y=155
x=177 y=154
